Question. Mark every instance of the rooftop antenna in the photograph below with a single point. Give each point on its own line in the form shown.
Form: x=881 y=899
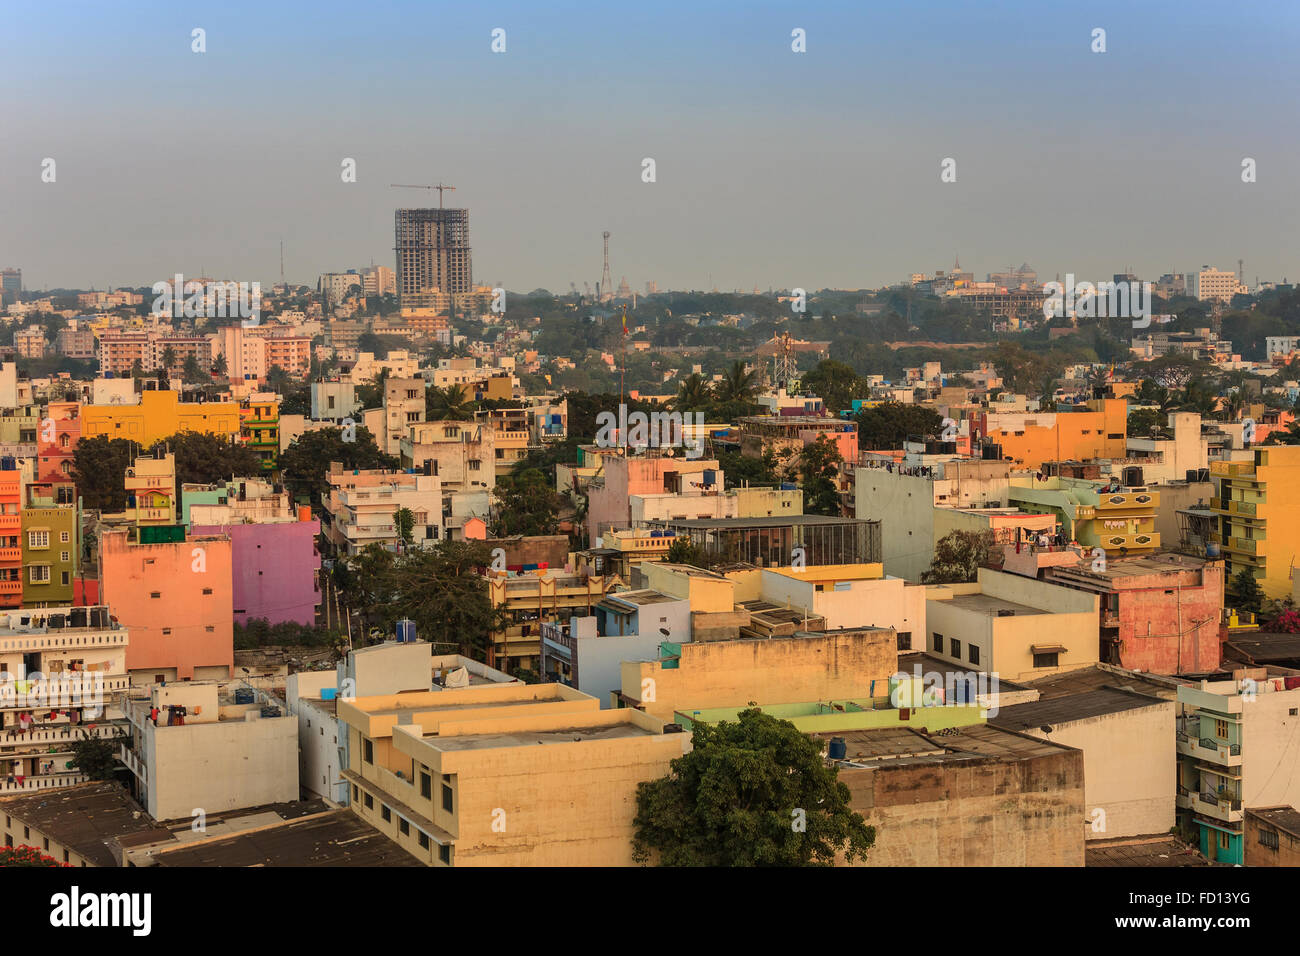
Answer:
x=282 y=285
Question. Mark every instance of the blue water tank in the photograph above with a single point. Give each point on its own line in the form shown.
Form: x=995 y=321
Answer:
x=329 y=693
x=838 y=749
x=1212 y=549
x=405 y=631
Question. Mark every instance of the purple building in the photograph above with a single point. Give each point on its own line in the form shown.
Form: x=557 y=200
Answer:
x=275 y=570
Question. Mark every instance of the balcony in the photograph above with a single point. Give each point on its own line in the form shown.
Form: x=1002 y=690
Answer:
x=11 y=589
x=1244 y=508
x=8 y=555
x=1212 y=751
x=1142 y=540
x=1242 y=545
x=1129 y=500
x=1232 y=469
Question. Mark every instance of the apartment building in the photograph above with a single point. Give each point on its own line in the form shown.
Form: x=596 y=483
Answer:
x=209 y=746
x=609 y=493
x=504 y=775
x=333 y=401
x=1031 y=438
x=461 y=454
x=1159 y=613
x=530 y=600
x=176 y=598
x=30 y=343
x=259 y=427
x=11 y=554
x=56 y=441
x=404 y=406
x=1011 y=625
x=1211 y=283
x=361 y=504
x=1257 y=510
x=1119 y=519
x=51 y=547
x=160 y=414
x=1235 y=741
x=64 y=669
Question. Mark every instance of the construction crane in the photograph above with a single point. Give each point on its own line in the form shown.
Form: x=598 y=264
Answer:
x=440 y=187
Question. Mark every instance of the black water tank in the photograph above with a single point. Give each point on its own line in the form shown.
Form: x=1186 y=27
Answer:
x=1133 y=476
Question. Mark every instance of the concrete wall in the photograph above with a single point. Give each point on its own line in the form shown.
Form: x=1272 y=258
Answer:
x=274 y=570
x=776 y=671
x=1129 y=768
x=889 y=602
x=600 y=661
x=981 y=812
x=1288 y=845
x=221 y=766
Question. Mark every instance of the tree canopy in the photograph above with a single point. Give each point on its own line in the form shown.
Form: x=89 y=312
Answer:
x=755 y=792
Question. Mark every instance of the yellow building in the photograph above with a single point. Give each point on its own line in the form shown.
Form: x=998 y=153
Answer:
x=529 y=599
x=504 y=774
x=1120 y=523
x=151 y=491
x=159 y=414
x=1031 y=438
x=1258 y=510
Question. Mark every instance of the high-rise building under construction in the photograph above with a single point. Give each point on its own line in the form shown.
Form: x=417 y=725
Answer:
x=432 y=252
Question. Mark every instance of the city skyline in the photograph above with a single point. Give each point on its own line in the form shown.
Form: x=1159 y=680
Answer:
x=772 y=168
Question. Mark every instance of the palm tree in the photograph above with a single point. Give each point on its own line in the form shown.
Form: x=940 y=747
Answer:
x=220 y=366
x=692 y=394
x=448 y=404
x=168 y=358
x=738 y=384
x=1198 y=397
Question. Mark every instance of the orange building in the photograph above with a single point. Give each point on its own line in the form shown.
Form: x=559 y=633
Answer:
x=1031 y=438
x=177 y=597
x=11 y=552
x=56 y=445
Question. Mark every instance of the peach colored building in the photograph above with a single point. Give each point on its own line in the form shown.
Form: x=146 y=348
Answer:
x=178 y=600
x=608 y=494
x=11 y=555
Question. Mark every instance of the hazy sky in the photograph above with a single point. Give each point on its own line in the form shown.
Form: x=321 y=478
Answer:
x=774 y=169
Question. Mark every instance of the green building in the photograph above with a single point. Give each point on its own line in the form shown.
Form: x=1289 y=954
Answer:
x=51 y=546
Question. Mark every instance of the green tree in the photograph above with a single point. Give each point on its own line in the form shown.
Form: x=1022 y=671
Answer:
x=837 y=384
x=404 y=522
x=741 y=469
x=220 y=367
x=738 y=384
x=96 y=757
x=1143 y=422
x=203 y=458
x=958 y=556
x=137 y=369
x=450 y=404
x=755 y=792
x=443 y=590
x=818 y=463
x=278 y=380
x=192 y=372
x=693 y=394
x=168 y=358
x=305 y=464
x=526 y=504
x=888 y=425
x=99 y=465
x=1244 y=591
x=684 y=551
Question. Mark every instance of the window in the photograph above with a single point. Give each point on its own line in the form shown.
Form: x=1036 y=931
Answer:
x=1046 y=660
x=426 y=786
x=386 y=813
x=904 y=640
x=207 y=590
x=370 y=802
x=155 y=594
x=369 y=751
x=446 y=798
x=1221 y=729
x=936 y=642
x=65 y=577
x=444 y=853
x=356 y=793
x=38 y=540
x=403 y=828
x=65 y=856
x=424 y=839
x=956 y=648
x=1223 y=840
x=38 y=573
x=1268 y=838
x=974 y=653
x=65 y=557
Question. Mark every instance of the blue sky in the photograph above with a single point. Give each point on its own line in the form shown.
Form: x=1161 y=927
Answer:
x=774 y=169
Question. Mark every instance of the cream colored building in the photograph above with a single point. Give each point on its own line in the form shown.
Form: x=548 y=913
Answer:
x=223 y=755
x=851 y=595
x=504 y=775
x=700 y=675
x=1129 y=761
x=1016 y=627
x=403 y=408
x=361 y=507
x=461 y=454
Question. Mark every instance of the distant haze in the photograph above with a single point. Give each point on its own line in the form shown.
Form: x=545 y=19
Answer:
x=774 y=169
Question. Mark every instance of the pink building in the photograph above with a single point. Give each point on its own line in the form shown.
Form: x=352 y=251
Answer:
x=276 y=569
